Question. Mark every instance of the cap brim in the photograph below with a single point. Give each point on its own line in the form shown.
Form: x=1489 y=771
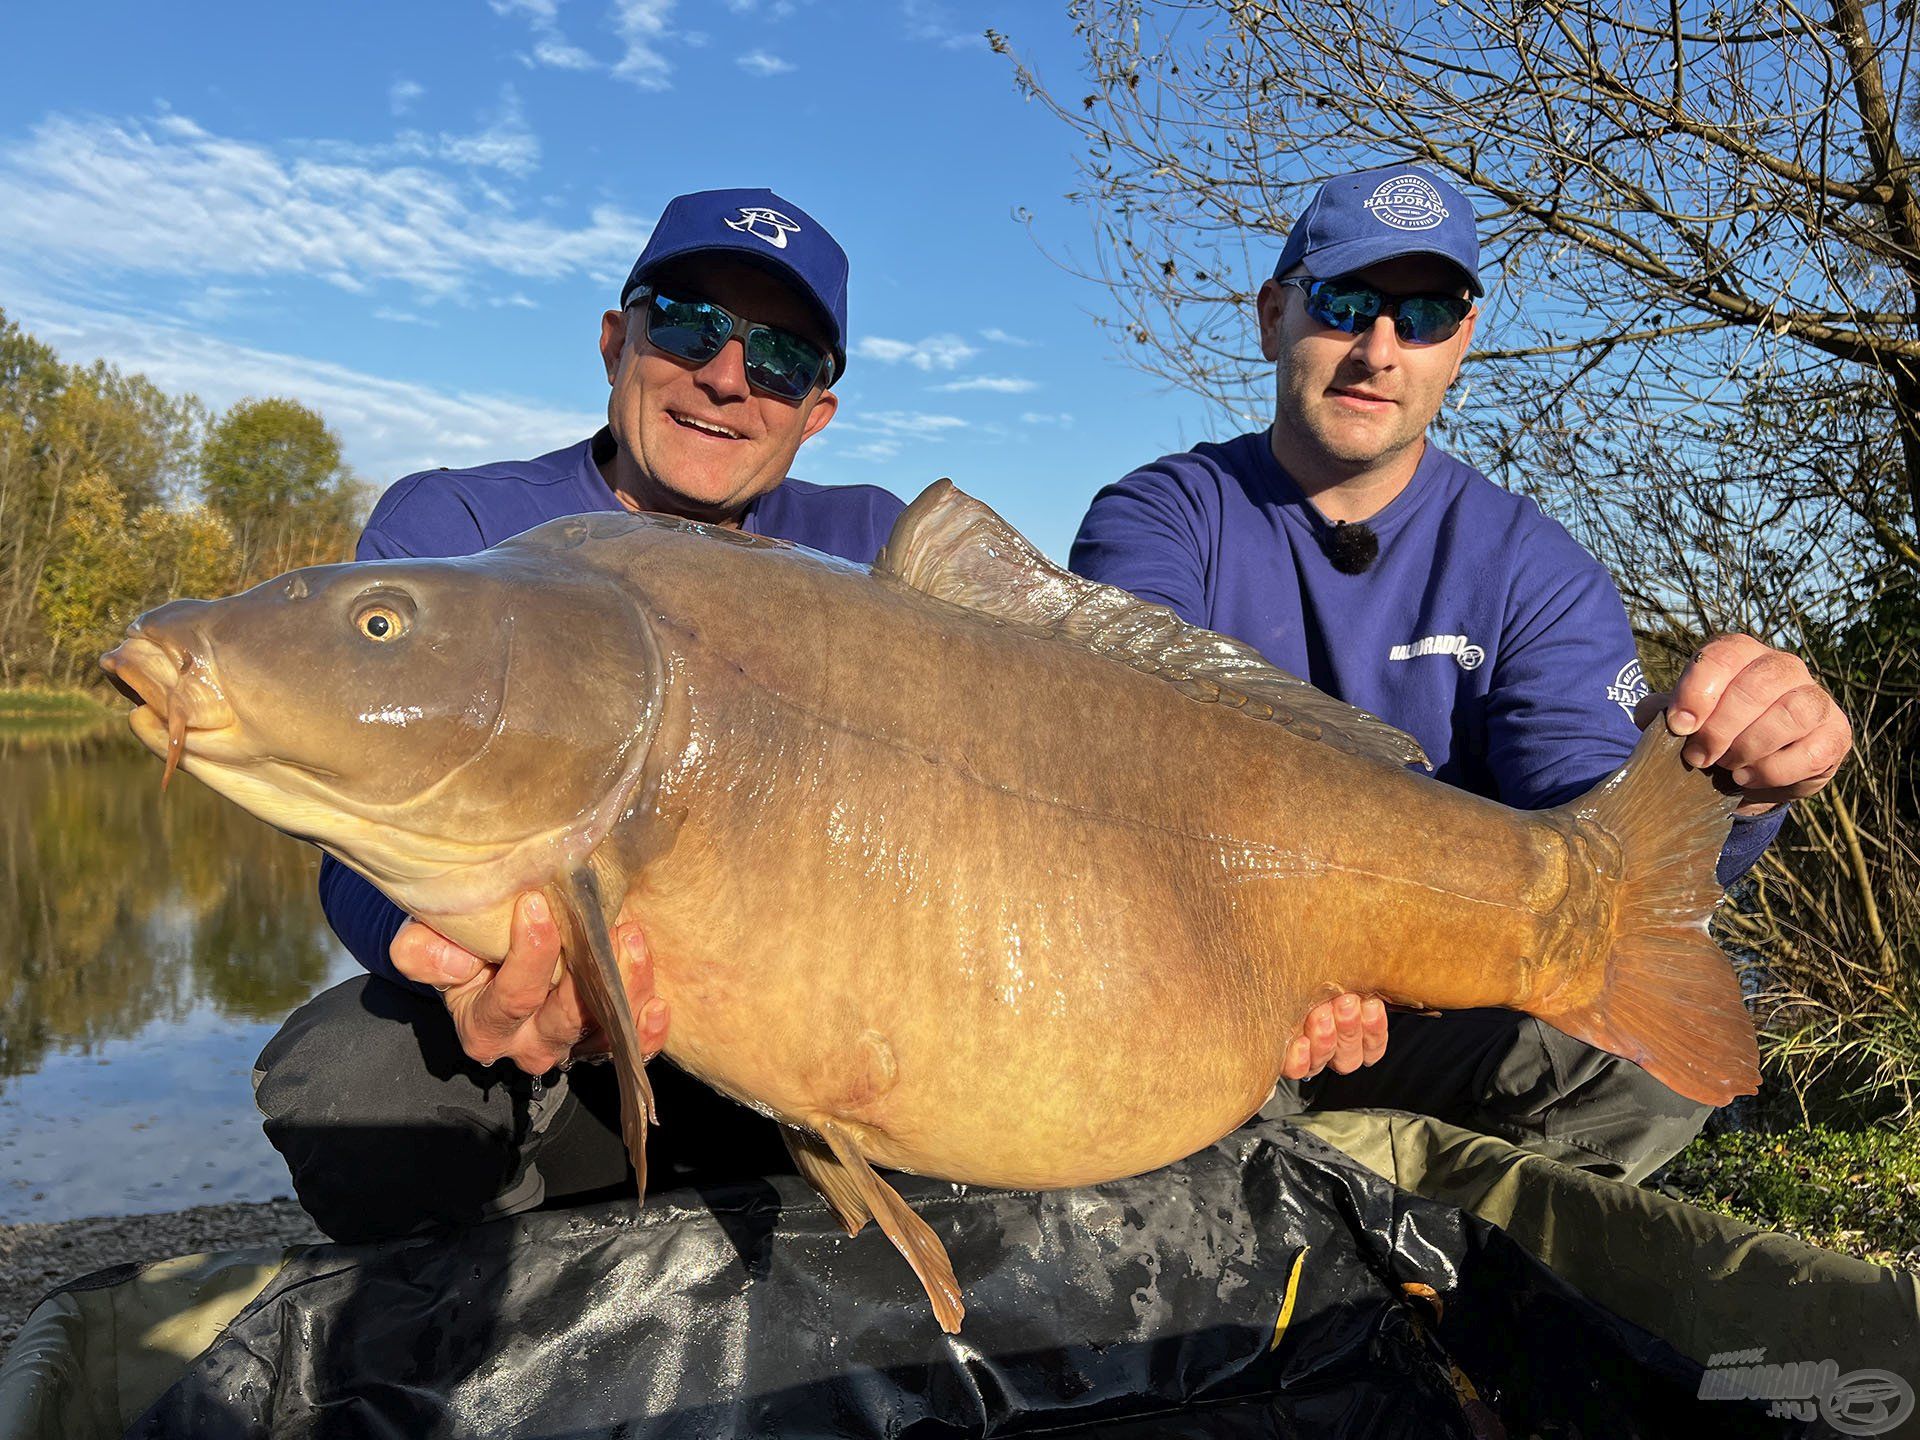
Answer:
x=1359 y=254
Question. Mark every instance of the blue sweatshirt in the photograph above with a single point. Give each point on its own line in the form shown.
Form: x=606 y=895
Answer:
x=460 y=512
x=1483 y=629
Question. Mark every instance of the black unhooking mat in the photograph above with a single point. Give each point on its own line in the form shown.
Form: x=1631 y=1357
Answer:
x=1267 y=1286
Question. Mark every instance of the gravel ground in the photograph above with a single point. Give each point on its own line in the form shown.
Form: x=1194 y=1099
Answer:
x=36 y=1258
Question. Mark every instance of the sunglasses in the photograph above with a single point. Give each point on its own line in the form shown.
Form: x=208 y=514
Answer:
x=1351 y=306
x=779 y=362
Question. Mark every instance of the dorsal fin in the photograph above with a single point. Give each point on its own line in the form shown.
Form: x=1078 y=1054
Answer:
x=951 y=546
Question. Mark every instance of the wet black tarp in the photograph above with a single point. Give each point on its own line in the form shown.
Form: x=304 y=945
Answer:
x=1150 y=1306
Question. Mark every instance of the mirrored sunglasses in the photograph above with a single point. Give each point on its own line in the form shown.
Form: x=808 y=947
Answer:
x=1352 y=305
x=779 y=362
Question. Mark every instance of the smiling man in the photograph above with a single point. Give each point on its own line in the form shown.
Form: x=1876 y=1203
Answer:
x=428 y=1092
x=1349 y=549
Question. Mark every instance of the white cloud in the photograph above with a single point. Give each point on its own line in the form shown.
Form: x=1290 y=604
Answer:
x=505 y=144
x=997 y=384
x=1062 y=418
x=642 y=27
x=558 y=54
x=928 y=21
x=166 y=197
x=759 y=62
x=935 y=352
x=214 y=302
x=551 y=48
x=897 y=424
x=1001 y=337
x=387 y=427
x=873 y=451
x=402 y=93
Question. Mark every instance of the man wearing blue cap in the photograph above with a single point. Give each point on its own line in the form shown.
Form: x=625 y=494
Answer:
x=1348 y=548
x=731 y=329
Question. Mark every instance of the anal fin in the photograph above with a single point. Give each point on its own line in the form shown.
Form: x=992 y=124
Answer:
x=910 y=1235
x=817 y=1165
x=596 y=970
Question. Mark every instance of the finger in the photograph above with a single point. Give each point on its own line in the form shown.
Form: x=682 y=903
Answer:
x=1747 y=696
x=1649 y=707
x=562 y=1019
x=482 y=1045
x=653 y=1028
x=1322 y=1033
x=1346 y=1024
x=1696 y=694
x=1299 y=1062
x=1805 y=713
x=1373 y=1031
x=421 y=953
x=636 y=963
x=1794 y=771
x=525 y=978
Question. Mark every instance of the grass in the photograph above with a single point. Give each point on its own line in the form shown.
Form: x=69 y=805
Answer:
x=30 y=715
x=1855 y=1191
x=34 y=703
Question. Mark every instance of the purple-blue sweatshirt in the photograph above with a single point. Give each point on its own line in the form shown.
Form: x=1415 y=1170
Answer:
x=459 y=512
x=1483 y=629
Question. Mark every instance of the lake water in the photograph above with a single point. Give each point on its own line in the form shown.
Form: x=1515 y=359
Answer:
x=149 y=947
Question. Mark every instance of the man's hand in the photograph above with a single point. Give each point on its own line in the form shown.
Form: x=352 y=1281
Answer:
x=1345 y=1032
x=517 y=1010
x=1759 y=715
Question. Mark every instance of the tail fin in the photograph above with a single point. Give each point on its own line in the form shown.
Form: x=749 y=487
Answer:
x=1668 y=998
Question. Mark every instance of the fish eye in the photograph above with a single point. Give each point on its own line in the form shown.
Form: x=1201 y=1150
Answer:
x=380 y=622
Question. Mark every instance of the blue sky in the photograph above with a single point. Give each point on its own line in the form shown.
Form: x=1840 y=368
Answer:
x=411 y=216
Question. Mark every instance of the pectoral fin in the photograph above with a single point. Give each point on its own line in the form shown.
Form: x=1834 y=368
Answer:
x=910 y=1235
x=596 y=970
x=837 y=1187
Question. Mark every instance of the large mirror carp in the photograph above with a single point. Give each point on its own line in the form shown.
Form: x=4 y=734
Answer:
x=956 y=864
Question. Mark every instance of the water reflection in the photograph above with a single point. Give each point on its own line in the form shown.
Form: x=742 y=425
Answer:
x=163 y=939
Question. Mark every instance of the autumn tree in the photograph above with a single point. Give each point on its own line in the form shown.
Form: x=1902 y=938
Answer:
x=61 y=427
x=116 y=496
x=273 y=470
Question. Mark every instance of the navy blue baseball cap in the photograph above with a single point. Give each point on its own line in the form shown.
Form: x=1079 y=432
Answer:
x=1360 y=220
x=758 y=226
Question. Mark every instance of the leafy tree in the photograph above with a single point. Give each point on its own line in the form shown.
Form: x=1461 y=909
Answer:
x=115 y=496
x=272 y=469
x=106 y=570
x=65 y=431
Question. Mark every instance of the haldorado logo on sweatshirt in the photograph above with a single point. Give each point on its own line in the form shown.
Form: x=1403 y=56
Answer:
x=1465 y=653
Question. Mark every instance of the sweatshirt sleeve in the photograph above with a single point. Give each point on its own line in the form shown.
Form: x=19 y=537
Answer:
x=365 y=920
x=1140 y=534
x=1565 y=681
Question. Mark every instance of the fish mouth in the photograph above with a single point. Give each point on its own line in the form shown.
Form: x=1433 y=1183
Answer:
x=175 y=697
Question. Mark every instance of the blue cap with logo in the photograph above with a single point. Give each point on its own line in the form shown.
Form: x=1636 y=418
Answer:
x=1360 y=220
x=758 y=226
